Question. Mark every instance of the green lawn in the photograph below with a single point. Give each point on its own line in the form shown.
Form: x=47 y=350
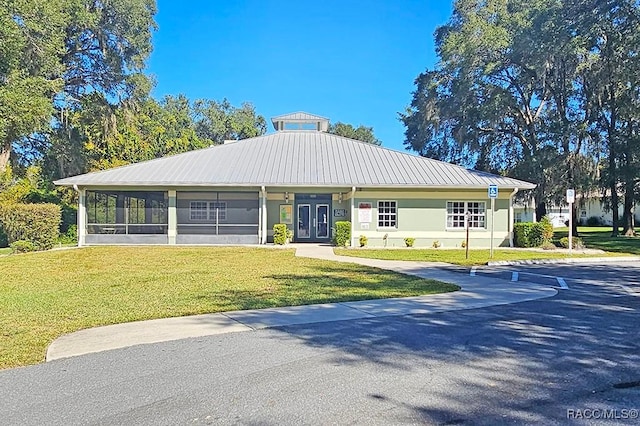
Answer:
x=457 y=256
x=44 y=295
x=600 y=238
x=5 y=250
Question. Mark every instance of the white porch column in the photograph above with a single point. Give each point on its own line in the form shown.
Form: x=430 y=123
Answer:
x=353 y=217
x=172 y=232
x=511 y=216
x=264 y=216
x=82 y=215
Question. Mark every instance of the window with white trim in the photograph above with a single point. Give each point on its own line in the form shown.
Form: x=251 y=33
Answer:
x=198 y=210
x=387 y=214
x=456 y=212
x=221 y=206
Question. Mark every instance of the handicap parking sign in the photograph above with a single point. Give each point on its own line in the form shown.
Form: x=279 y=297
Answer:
x=493 y=191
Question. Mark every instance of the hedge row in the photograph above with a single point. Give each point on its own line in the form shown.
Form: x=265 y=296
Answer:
x=529 y=234
x=36 y=223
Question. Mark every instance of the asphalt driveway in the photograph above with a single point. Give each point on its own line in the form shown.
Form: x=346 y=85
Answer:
x=573 y=358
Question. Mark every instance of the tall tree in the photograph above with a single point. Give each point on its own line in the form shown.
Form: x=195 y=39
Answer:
x=360 y=133
x=219 y=121
x=521 y=88
x=54 y=53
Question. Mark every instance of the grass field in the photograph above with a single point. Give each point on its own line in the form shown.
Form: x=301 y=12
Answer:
x=457 y=256
x=44 y=295
x=600 y=238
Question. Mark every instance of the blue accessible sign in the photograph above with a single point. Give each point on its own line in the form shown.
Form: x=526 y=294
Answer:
x=493 y=191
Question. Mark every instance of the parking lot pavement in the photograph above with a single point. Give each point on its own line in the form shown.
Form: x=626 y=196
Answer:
x=613 y=279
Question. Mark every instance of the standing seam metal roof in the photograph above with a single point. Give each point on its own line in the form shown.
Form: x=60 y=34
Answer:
x=300 y=158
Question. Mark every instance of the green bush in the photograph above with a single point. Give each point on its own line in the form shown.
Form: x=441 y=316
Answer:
x=37 y=223
x=594 y=221
x=436 y=244
x=409 y=241
x=547 y=228
x=22 y=246
x=521 y=233
x=576 y=242
x=3 y=238
x=69 y=237
x=541 y=233
x=343 y=233
x=548 y=245
x=363 y=240
x=280 y=234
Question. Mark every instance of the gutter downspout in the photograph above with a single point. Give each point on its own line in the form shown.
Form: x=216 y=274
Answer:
x=264 y=215
x=352 y=243
x=82 y=212
x=511 y=216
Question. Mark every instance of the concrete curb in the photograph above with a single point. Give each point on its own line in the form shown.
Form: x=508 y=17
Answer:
x=583 y=260
x=476 y=292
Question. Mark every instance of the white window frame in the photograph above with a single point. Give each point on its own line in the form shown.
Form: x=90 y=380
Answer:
x=222 y=213
x=478 y=221
x=387 y=217
x=198 y=211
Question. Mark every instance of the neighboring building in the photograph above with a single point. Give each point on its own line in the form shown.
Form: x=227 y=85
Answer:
x=301 y=176
x=586 y=208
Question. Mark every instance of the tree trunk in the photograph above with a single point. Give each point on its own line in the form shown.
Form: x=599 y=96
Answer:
x=614 y=210
x=5 y=156
x=574 y=220
x=541 y=211
x=627 y=215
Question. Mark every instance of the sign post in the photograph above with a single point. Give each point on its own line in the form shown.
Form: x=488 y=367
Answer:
x=571 y=198
x=493 y=194
x=467 y=219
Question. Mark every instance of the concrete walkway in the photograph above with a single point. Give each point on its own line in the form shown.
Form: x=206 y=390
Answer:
x=477 y=292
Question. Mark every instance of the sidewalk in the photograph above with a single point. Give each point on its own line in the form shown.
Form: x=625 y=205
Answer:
x=476 y=292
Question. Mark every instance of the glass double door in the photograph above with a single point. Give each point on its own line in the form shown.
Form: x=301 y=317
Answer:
x=313 y=221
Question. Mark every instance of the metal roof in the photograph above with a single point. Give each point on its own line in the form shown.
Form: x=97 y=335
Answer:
x=300 y=158
x=299 y=116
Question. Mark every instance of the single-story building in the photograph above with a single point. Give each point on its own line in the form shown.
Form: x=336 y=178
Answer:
x=300 y=176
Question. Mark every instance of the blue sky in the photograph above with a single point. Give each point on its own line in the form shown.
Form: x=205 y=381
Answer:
x=350 y=61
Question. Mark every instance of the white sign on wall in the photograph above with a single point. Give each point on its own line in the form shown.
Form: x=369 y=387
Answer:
x=365 y=212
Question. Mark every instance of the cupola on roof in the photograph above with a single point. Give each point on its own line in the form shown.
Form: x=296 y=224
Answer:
x=300 y=121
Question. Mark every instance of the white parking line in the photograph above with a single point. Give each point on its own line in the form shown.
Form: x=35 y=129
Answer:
x=629 y=290
x=562 y=283
x=473 y=272
x=514 y=276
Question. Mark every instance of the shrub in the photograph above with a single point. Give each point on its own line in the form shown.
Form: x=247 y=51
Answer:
x=521 y=233
x=463 y=244
x=343 y=233
x=409 y=241
x=279 y=234
x=22 y=246
x=37 y=223
x=576 y=242
x=546 y=229
x=436 y=244
x=528 y=234
x=289 y=235
x=3 y=238
x=548 y=245
x=69 y=237
x=363 y=240
x=594 y=221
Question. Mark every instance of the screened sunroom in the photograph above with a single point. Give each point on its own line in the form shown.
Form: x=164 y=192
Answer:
x=144 y=217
